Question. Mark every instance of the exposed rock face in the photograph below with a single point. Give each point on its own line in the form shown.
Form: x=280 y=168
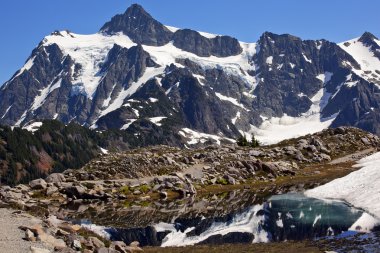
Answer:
x=139 y=26
x=171 y=86
x=194 y=42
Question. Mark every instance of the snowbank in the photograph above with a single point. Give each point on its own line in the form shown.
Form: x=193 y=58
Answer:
x=360 y=188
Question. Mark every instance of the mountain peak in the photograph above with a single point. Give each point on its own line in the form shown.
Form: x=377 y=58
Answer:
x=136 y=10
x=140 y=26
x=368 y=38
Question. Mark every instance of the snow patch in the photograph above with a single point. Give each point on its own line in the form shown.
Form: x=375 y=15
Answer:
x=197 y=137
x=157 y=120
x=360 y=188
x=230 y=99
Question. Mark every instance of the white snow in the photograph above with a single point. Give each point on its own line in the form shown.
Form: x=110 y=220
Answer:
x=306 y=59
x=325 y=77
x=275 y=129
x=172 y=28
x=104 y=151
x=125 y=126
x=317 y=218
x=230 y=99
x=236 y=118
x=292 y=65
x=153 y=100
x=90 y=51
x=156 y=120
x=360 y=188
x=364 y=56
x=28 y=65
x=40 y=99
x=119 y=100
x=33 y=126
x=245 y=222
x=365 y=223
x=197 y=137
x=6 y=111
x=269 y=60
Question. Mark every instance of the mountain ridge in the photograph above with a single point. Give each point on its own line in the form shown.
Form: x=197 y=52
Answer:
x=210 y=84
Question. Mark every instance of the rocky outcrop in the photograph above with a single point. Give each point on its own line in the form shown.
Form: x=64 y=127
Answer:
x=139 y=26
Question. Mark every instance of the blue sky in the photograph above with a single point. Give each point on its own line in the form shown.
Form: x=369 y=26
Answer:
x=24 y=23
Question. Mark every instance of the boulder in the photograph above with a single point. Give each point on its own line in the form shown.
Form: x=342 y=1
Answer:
x=38 y=184
x=55 y=178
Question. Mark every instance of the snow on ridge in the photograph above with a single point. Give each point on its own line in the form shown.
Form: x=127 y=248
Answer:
x=33 y=126
x=157 y=120
x=364 y=56
x=230 y=99
x=306 y=59
x=360 y=188
x=125 y=93
x=44 y=93
x=197 y=137
x=125 y=126
x=276 y=129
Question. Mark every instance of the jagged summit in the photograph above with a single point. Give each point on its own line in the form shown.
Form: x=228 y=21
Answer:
x=367 y=37
x=140 y=26
x=179 y=85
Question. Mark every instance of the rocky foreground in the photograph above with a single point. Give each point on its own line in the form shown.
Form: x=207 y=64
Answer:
x=162 y=172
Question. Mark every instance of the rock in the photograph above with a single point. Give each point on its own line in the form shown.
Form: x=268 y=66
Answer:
x=134 y=244
x=365 y=141
x=59 y=244
x=75 y=191
x=55 y=178
x=230 y=179
x=29 y=236
x=38 y=250
x=51 y=190
x=119 y=246
x=66 y=250
x=163 y=194
x=105 y=250
x=76 y=244
x=38 y=184
x=96 y=242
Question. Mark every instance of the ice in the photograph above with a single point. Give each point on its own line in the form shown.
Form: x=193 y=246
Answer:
x=360 y=188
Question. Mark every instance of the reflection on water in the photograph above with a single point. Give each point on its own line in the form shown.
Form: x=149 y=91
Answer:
x=279 y=218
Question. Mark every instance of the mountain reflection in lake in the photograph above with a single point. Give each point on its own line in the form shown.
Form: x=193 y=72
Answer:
x=279 y=218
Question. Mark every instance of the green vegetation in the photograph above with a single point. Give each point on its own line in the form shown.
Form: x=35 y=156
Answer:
x=222 y=181
x=243 y=142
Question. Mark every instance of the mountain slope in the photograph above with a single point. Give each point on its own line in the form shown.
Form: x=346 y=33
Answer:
x=137 y=74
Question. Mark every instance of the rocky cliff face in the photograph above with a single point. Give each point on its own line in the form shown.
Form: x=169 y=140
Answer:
x=149 y=79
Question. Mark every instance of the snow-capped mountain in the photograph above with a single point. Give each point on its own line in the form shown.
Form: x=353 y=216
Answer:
x=139 y=75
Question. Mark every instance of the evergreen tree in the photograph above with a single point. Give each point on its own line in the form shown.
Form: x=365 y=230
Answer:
x=254 y=143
